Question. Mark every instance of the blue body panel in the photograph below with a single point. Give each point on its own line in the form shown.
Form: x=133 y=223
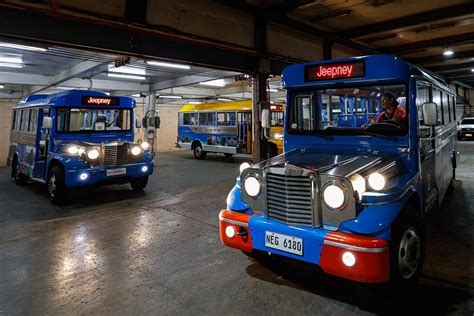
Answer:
x=186 y=135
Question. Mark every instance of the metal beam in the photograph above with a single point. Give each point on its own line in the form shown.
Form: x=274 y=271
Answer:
x=411 y=20
x=440 y=41
x=291 y=5
x=182 y=81
x=451 y=67
x=441 y=58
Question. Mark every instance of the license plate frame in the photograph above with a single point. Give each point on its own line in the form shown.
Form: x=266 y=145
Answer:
x=116 y=172
x=285 y=243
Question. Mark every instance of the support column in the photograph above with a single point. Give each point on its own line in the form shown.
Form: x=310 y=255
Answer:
x=259 y=102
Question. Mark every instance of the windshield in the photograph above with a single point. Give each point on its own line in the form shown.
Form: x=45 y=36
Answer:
x=373 y=109
x=73 y=120
x=467 y=122
x=278 y=118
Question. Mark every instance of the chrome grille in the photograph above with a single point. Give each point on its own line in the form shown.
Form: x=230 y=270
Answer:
x=115 y=155
x=289 y=199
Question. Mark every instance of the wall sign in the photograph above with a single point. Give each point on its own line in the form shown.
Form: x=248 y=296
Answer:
x=335 y=71
x=100 y=101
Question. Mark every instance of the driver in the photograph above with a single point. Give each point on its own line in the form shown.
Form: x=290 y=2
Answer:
x=392 y=112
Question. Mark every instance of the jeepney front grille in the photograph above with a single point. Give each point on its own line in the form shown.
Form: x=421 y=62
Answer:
x=289 y=199
x=115 y=155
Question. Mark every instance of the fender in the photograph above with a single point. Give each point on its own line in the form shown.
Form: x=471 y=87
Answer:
x=234 y=200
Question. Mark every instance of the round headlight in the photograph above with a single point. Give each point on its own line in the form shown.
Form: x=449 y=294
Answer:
x=93 y=154
x=377 y=181
x=252 y=186
x=358 y=183
x=244 y=166
x=73 y=150
x=334 y=196
x=145 y=145
x=136 y=151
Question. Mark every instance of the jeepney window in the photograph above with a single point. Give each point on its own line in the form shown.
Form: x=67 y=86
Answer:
x=18 y=120
x=302 y=114
x=448 y=106
x=190 y=118
x=24 y=120
x=437 y=100
x=422 y=96
x=33 y=120
x=70 y=120
x=207 y=118
x=453 y=99
x=278 y=118
x=225 y=118
x=13 y=120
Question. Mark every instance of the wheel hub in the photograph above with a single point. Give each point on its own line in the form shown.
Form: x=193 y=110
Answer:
x=52 y=186
x=409 y=253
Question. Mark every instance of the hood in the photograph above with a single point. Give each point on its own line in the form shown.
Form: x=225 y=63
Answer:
x=340 y=165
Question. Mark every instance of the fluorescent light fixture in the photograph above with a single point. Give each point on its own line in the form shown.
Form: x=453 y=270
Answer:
x=167 y=65
x=170 y=97
x=194 y=102
x=272 y=90
x=126 y=76
x=136 y=95
x=214 y=83
x=224 y=100
x=23 y=47
x=11 y=65
x=127 y=70
x=472 y=69
x=448 y=52
x=11 y=59
x=2 y=86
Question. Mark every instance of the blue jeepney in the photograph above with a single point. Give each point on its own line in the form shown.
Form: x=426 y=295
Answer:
x=358 y=173
x=77 y=138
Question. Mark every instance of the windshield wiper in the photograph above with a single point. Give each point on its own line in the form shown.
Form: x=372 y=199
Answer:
x=392 y=137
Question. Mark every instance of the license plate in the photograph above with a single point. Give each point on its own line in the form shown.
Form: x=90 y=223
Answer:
x=116 y=172
x=468 y=135
x=284 y=243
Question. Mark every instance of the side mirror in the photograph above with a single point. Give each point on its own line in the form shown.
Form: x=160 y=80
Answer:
x=266 y=119
x=138 y=123
x=430 y=113
x=47 y=122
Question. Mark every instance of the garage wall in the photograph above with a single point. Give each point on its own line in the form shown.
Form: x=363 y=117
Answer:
x=5 y=126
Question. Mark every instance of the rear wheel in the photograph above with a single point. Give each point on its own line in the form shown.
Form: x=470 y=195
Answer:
x=407 y=250
x=199 y=153
x=20 y=178
x=139 y=183
x=228 y=155
x=57 y=190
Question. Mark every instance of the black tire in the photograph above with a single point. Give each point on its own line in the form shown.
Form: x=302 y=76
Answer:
x=199 y=154
x=228 y=155
x=57 y=190
x=139 y=183
x=407 y=250
x=20 y=178
x=272 y=150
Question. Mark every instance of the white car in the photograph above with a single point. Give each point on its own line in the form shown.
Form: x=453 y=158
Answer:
x=466 y=128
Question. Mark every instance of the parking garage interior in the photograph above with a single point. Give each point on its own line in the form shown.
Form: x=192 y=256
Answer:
x=113 y=250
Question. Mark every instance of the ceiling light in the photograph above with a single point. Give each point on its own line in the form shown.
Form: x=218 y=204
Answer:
x=194 y=102
x=136 y=95
x=2 y=86
x=472 y=69
x=23 y=47
x=168 y=65
x=225 y=100
x=170 y=97
x=11 y=59
x=11 y=65
x=127 y=70
x=126 y=76
x=272 y=90
x=214 y=83
x=448 y=52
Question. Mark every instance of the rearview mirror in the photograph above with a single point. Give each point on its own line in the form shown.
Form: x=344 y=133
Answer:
x=430 y=113
x=47 y=122
x=138 y=123
x=266 y=118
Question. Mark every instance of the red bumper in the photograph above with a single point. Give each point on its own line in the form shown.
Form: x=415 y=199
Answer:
x=234 y=230
x=370 y=257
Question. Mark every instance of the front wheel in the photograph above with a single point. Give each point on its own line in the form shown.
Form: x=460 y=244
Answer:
x=228 y=155
x=20 y=178
x=57 y=190
x=407 y=251
x=139 y=183
x=199 y=153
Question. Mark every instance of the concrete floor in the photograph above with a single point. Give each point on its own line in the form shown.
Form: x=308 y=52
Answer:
x=111 y=251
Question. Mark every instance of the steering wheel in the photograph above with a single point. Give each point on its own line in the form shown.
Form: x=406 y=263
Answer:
x=330 y=123
x=388 y=125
